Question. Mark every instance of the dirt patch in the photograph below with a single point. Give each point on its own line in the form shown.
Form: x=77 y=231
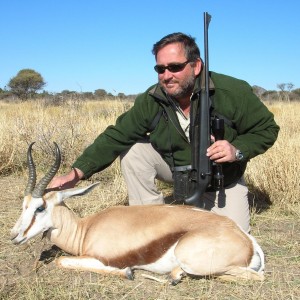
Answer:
x=29 y=272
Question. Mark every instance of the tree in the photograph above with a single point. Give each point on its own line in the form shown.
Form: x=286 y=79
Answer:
x=258 y=91
x=296 y=91
x=26 y=83
x=285 y=89
x=100 y=94
x=121 y=95
x=289 y=86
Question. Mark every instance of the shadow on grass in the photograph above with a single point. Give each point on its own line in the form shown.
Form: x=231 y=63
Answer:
x=50 y=254
x=259 y=200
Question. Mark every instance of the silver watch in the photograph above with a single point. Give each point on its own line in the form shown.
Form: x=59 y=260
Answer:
x=238 y=155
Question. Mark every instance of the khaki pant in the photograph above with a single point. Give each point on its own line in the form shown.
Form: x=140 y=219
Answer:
x=142 y=166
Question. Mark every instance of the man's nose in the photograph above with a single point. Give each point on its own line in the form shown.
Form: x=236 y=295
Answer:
x=167 y=74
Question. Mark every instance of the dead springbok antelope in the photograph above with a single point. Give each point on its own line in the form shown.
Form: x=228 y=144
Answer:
x=177 y=240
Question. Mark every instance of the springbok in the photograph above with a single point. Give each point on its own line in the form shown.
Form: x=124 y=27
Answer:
x=178 y=240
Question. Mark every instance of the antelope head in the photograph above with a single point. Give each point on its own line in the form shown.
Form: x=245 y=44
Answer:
x=34 y=218
x=38 y=203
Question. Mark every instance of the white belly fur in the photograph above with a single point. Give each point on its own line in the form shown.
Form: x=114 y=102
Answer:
x=163 y=265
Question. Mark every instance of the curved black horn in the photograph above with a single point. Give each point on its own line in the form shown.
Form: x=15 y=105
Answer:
x=31 y=172
x=41 y=186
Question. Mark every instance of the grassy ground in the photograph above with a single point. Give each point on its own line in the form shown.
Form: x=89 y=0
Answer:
x=29 y=272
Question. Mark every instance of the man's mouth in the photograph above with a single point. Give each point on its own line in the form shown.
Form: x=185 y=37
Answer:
x=169 y=84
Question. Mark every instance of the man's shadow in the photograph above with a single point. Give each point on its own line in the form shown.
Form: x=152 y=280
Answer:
x=259 y=200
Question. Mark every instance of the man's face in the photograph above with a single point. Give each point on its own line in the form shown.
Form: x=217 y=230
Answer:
x=177 y=84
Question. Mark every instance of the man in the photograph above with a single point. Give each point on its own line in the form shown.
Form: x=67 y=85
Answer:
x=153 y=137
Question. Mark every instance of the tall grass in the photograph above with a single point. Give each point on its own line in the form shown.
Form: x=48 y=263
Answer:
x=275 y=174
x=75 y=124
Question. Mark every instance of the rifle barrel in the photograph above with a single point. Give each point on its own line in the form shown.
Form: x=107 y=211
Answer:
x=201 y=164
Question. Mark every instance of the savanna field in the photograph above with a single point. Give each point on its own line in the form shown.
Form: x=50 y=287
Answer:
x=29 y=272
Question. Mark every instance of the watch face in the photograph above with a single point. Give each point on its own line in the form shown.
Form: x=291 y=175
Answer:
x=239 y=155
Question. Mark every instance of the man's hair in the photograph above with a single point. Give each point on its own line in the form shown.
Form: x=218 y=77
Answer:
x=191 y=49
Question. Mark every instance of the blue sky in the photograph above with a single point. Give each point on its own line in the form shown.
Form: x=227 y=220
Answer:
x=93 y=44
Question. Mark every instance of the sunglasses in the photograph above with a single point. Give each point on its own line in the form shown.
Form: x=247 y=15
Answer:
x=174 y=68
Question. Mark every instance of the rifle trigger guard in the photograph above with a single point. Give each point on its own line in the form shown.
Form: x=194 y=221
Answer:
x=203 y=175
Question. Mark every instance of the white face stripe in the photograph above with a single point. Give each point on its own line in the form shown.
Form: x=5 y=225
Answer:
x=23 y=229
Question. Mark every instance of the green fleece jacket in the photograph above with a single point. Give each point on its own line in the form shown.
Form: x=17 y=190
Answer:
x=253 y=132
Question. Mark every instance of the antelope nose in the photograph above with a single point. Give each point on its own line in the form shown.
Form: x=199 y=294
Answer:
x=13 y=235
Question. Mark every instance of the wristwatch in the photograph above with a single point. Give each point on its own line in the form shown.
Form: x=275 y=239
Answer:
x=238 y=155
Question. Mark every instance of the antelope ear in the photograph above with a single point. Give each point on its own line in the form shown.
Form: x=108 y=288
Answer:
x=65 y=194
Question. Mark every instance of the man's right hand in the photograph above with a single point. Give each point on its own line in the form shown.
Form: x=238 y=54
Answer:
x=66 y=181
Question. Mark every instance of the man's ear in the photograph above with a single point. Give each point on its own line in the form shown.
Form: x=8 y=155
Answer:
x=198 y=67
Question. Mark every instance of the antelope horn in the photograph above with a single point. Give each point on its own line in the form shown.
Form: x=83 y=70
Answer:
x=31 y=172
x=41 y=186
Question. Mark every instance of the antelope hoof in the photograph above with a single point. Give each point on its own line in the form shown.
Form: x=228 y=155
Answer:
x=176 y=276
x=129 y=273
x=174 y=281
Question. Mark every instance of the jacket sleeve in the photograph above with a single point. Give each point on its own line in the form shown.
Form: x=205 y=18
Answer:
x=256 y=128
x=130 y=127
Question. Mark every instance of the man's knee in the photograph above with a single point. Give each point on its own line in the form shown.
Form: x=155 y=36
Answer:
x=137 y=156
x=128 y=157
x=231 y=202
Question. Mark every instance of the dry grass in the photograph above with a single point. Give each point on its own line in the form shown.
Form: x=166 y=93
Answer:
x=24 y=274
x=73 y=125
x=274 y=176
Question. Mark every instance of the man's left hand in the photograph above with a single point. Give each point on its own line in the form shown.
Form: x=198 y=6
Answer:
x=221 y=151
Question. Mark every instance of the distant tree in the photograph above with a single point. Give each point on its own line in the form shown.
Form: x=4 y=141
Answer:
x=45 y=94
x=5 y=94
x=110 y=95
x=289 y=86
x=296 y=91
x=26 y=83
x=68 y=93
x=121 y=95
x=285 y=89
x=88 y=95
x=100 y=94
x=65 y=95
x=281 y=86
x=258 y=91
x=269 y=95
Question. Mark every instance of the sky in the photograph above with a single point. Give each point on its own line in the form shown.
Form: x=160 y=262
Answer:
x=87 y=45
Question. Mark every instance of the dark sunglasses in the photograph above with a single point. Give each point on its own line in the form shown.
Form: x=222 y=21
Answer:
x=174 y=68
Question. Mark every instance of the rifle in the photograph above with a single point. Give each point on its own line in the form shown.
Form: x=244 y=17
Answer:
x=204 y=173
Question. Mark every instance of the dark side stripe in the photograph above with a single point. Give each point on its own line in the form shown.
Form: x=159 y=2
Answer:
x=144 y=255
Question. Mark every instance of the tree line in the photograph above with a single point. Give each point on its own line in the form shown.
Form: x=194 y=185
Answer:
x=26 y=84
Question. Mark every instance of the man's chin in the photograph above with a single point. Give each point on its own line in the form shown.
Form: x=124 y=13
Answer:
x=171 y=89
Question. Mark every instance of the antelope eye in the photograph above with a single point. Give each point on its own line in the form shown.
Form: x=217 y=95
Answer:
x=40 y=209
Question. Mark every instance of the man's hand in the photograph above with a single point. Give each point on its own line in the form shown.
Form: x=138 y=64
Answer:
x=66 y=181
x=221 y=151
